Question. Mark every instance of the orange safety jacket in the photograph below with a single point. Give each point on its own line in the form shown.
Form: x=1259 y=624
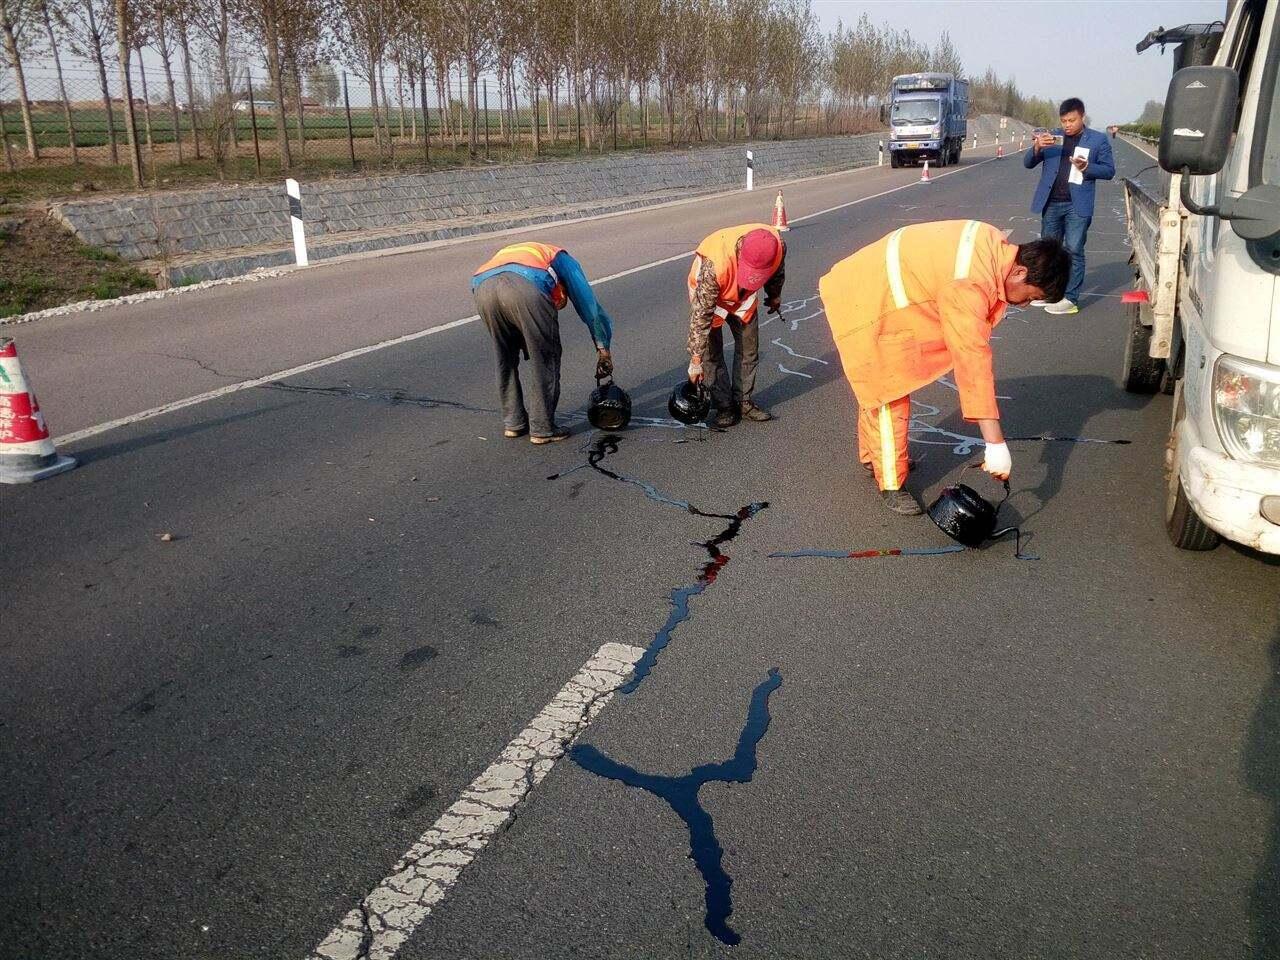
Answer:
x=530 y=254
x=917 y=303
x=721 y=248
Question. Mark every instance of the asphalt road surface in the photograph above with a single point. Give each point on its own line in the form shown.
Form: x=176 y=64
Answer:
x=377 y=625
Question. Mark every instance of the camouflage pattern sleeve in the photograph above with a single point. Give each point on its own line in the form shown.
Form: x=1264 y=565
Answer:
x=702 y=309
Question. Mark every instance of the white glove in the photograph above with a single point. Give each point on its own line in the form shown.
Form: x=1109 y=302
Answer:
x=695 y=370
x=998 y=462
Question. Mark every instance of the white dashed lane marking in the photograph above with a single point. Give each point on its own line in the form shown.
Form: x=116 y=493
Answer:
x=384 y=920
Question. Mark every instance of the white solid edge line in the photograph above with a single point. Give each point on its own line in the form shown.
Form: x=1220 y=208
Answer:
x=231 y=388
x=386 y=918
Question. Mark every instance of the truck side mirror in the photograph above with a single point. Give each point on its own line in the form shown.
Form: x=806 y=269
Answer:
x=1199 y=112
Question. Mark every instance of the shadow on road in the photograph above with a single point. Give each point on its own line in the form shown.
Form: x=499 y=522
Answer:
x=109 y=450
x=1262 y=776
x=1055 y=405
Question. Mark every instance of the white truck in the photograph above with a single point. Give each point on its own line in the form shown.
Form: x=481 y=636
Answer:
x=1205 y=311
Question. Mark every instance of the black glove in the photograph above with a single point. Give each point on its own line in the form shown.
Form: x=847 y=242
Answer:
x=604 y=367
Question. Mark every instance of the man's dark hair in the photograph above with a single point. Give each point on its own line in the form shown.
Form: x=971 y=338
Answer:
x=1071 y=105
x=1048 y=266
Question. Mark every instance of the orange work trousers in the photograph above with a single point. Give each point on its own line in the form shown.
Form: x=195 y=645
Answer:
x=882 y=441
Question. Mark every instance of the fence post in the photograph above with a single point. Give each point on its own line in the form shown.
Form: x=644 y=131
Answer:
x=253 y=120
x=295 y=221
x=346 y=102
x=485 y=85
x=751 y=173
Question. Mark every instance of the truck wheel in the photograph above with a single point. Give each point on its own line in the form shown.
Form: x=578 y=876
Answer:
x=942 y=159
x=1186 y=530
x=894 y=162
x=1142 y=373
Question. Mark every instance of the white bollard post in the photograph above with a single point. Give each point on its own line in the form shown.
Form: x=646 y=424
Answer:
x=295 y=220
x=975 y=141
x=880 y=159
x=751 y=173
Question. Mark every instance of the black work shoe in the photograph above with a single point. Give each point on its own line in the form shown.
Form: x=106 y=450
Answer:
x=751 y=412
x=725 y=418
x=560 y=434
x=899 y=501
x=512 y=434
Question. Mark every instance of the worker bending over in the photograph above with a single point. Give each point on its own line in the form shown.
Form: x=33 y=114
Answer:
x=519 y=294
x=729 y=269
x=917 y=303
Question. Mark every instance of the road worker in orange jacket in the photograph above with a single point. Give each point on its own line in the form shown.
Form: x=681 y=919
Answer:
x=920 y=302
x=730 y=269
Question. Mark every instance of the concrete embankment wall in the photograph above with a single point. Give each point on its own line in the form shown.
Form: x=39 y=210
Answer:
x=169 y=226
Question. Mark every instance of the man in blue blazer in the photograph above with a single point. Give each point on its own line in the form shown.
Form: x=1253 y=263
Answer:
x=1066 y=208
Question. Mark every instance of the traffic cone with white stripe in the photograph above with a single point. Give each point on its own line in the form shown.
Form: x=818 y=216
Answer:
x=26 y=451
x=780 y=214
x=924 y=174
x=999 y=151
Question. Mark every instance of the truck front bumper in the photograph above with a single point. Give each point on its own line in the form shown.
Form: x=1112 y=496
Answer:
x=1227 y=494
x=915 y=146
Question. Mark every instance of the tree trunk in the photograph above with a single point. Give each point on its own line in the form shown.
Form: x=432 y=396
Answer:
x=101 y=62
x=4 y=138
x=163 y=46
x=400 y=95
x=535 y=123
x=302 y=120
x=386 y=107
x=224 y=60
x=472 y=139
x=126 y=90
x=275 y=69
x=413 y=109
x=373 y=105
x=62 y=87
x=15 y=61
x=185 y=42
x=442 y=101
x=146 y=113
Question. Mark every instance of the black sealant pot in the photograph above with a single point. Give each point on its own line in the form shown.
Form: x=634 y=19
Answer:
x=610 y=407
x=964 y=515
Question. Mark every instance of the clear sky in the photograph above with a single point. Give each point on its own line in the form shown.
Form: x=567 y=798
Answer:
x=1054 y=48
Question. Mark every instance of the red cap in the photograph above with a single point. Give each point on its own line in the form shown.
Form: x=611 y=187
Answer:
x=756 y=256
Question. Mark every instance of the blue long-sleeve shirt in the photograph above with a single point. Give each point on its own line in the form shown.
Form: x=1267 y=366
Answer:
x=576 y=287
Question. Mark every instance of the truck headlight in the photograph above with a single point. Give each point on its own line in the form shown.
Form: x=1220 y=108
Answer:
x=1246 y=409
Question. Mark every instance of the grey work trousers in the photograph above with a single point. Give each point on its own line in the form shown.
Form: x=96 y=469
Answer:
x=735 y=394
x=522 y=319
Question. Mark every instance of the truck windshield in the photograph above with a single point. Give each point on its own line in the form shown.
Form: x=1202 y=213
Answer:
x=915 y=111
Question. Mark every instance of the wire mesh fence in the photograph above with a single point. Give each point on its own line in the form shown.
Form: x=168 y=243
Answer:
x=191 y=123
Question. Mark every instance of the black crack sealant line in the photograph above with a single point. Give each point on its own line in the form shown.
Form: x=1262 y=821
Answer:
x=680 y=596
x=681 y=793
x=1049 y=438
x=865 y=554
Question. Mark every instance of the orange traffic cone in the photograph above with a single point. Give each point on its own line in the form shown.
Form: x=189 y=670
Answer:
x=780 y=213
x=999 y=151
x=924 y=174
x=26 y=451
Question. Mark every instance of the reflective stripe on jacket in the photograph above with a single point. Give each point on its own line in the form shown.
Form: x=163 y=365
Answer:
x=721 y=248
x=530 y=254
x=917 y=303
